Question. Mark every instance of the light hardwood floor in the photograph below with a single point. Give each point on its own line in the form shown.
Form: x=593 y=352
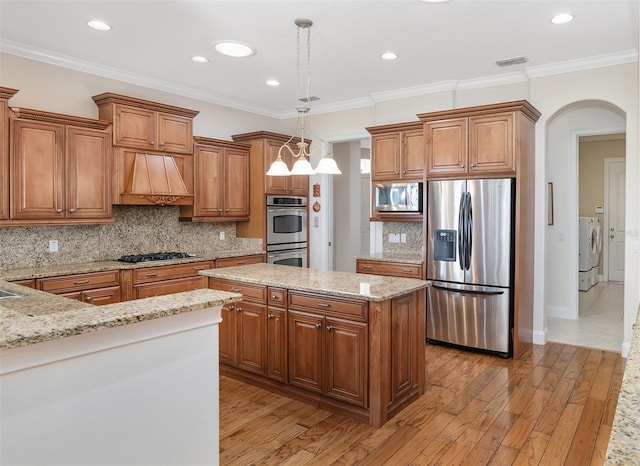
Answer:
x=554 y=406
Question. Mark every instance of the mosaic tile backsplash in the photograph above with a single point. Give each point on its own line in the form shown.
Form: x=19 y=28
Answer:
x=137 y=230
x=414 y=238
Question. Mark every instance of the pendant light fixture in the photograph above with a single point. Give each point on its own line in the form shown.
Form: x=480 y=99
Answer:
x=302 y=166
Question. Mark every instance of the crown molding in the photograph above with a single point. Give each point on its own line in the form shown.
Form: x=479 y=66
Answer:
x=581 y=64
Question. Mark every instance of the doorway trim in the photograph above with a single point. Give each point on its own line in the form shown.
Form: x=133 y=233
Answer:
x=605 y=243
x=573 y=311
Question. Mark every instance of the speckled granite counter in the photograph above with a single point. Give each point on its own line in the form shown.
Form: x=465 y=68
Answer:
x=37 y=316
x=99 y=266
x=407 y=258
x=342 y=284
x=624 y=442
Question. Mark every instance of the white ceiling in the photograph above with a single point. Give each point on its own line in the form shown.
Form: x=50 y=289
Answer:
x=448 y=45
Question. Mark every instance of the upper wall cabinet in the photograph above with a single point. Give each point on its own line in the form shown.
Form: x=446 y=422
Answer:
x=153 y=150
x=221 y=182
x=59 y=169
x=5 y=95
x=476 y=141
x=397 y=152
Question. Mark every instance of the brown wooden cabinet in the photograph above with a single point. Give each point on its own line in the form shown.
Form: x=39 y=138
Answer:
x=493 y=141
x=264 y=150
x=29 y=282
x=153 y=150
x=5 y=95
x=277 y=342
x=59 y=171
x=221 y=182
x=164 y=279
x=97 y=288
x=478 y=141
x=397 y=152
x=391 y=269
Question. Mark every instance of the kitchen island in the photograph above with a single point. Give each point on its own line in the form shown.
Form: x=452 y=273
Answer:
x=351 y=343
x=124 y=383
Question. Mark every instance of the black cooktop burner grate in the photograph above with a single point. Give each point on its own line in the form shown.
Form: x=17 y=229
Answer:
x=156 y=256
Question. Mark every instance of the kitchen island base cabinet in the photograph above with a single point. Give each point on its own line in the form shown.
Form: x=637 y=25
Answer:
x=359 y=358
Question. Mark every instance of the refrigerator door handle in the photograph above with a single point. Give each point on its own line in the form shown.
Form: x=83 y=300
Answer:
x=461 y=226
x=469 y=235
x=457 y=290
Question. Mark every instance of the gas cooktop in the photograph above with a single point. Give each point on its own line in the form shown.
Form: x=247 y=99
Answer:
x=156 y=256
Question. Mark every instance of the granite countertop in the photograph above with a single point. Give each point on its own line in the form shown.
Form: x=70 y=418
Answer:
x=624 y=442
x=100 y=266
x=37 y=316
x=407 y=258
x=340 y=284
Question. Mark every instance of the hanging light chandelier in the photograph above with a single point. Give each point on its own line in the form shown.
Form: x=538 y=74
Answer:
x=302 y=166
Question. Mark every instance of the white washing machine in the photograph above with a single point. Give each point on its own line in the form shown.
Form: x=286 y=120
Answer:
x=586 y=247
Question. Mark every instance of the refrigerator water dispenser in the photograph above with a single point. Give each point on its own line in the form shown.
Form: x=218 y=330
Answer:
x=444 y=245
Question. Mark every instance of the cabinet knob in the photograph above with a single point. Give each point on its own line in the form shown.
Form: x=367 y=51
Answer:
x=59 y=211
x=162 y=143
x=238 y=309
x=152 y=142
x=219 y=210
x=88 y=299
x=473 y=165
x=397 y=172
x=329 y=328
x=72 y=210
x=318 y=325
x=231 y=307
x=271 y=316
x=404 y=171
x=227 y=210
x=461 y=165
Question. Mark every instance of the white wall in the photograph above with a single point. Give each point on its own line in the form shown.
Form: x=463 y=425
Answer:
x=66 y=91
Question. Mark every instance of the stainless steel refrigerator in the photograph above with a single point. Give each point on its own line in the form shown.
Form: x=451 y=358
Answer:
x=469 y=261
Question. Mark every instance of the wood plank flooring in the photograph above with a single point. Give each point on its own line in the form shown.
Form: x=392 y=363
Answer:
x=554 y=406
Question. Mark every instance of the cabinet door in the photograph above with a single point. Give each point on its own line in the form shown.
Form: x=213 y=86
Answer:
x=413 y=158
x=402 y=346
x=306 y=345
x=175 y=133
x=4 y=160
x=88 y=169
x=252 y=337
x=134 y=127
x=102 y=296
x=236 y=183
x=347 y=361
x=277 y=344
x=491 y=144
x=275 y=184
x=37 y=170
x=227 y=335
x=208 y=200
x=385 y=156
x=446 y=143
x=297 y=185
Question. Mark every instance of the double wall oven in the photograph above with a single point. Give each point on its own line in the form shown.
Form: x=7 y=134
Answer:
x=287 y=230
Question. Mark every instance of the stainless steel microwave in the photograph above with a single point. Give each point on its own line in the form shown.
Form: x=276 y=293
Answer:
x=398 y=197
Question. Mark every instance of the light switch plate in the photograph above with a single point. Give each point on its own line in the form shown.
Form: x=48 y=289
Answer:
x=222 y=235
x=599 y=209
x=53 y=245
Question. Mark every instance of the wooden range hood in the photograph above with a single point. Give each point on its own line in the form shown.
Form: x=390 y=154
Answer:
x=156 y=178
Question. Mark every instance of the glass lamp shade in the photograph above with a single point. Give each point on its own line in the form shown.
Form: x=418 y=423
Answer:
x=328 y=166
x=302 y=167
x=279 y=168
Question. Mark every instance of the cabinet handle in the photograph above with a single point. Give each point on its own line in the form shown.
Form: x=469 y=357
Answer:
x=406 y=270
x=151 y=274
x=318 y=325
x=241 y=262
x=324 y=304
x=238 y=309
x=367 y=267
x=198 y=268
x=236 y=290
x=329 y=328
x=81 y=282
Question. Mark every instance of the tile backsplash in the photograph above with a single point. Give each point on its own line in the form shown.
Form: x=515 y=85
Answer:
x=414 y=237
x=137 y=230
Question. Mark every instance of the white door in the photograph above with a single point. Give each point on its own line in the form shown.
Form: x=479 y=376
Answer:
x=614 y=205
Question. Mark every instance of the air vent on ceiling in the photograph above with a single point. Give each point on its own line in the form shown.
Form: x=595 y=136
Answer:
x=511 y=61
x=309 y=99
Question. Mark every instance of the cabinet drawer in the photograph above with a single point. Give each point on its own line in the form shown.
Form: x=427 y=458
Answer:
x=169 y=272
x=83 y=281
x=170 y=287
x=393 y=269
x=328 y=305
x=29 y=283
x=277 y=297
x=249 y=292
x=244 y=260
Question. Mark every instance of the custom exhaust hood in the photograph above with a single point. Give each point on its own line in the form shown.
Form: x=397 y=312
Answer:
x=157 y=179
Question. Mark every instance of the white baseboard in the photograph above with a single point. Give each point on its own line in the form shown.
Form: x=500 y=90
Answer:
x=561 y=312
x=539 y=337
x=625 y=349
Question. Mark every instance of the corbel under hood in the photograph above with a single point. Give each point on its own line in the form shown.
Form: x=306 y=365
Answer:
x=157 y=179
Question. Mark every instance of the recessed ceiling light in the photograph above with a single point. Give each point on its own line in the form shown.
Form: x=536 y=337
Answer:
x=562 y=18
x=99 y=25
x=199 y=59
x=388 y=56
x=234 y=49
x=273 y=82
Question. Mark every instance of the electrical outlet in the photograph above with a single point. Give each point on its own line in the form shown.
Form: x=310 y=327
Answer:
x=53 y=245
x=394 y=238
x=222 y=235
x=403 y=237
